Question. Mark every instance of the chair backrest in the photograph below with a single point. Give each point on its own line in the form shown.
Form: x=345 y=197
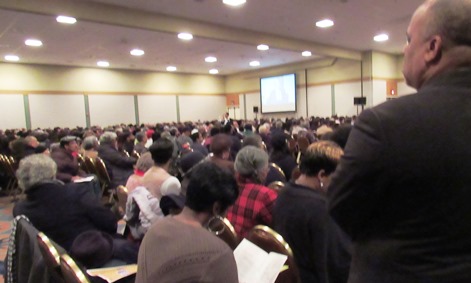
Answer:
x=102 y=173
x=270 y=241
x=303 y=144
x=51 y=256
x=25 y=262
x=135 y=154
x=296 y=173
x=82 y=165
x=71 y=271
x=225 y=231
x=3 y=166
x=122 y=193
x=278 y=170
x=8 y=165
x=276 y=186
x=90 y=165
x=292 y=146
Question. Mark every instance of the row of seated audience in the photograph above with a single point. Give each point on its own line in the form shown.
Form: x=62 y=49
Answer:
x=177 y=169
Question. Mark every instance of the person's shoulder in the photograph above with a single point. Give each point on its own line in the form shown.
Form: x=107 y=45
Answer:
x=59 y=152
x=300 y=193
x=151 y=173
x=395 y=109
x=396 y=103
x=266 y=191
x=171 y=181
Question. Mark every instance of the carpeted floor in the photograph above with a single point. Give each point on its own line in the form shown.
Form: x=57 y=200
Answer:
x=6 y=207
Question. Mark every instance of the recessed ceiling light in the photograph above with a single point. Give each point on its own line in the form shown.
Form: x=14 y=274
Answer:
x=234 y=2
x=171 y=68
x=254 y=63
x=263 y=47
x=185 y=36
x=33 y=42
x=103 y=63
x=137 y=52
x=325 y=23
x=66 y=20
x=214 y=71
x=381 y=37
x=306 y=53
x=12 y=58
x=211 y=59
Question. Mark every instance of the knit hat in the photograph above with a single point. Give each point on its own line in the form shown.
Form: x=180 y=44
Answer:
x=171 y=201
x=92 y=248
x=65 y=140
x=189 y=160
x=278 y=141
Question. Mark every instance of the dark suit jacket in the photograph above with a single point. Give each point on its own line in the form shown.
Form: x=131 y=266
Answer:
x=119 y=166
x=67 y=165
x=403 y=187
x=320 y=248
x=62 y=212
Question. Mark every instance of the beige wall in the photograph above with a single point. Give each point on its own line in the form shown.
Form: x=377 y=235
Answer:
x=384 y=65
x=399 y=64
x=45 y=78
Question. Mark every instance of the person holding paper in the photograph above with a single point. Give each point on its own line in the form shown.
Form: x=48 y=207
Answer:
x=180 y=248
x=321 y=250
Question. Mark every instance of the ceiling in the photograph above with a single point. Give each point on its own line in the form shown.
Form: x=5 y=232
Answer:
x=109 y=29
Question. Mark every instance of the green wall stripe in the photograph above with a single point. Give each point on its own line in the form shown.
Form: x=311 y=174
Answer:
x=136 y=109
x=307 y=98
x=87 y=111
x=245 y=107
x=27 y=111
x=178 y=108
x=332 y=91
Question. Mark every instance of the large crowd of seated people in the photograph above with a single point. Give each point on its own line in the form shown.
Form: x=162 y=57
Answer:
x=179 y=176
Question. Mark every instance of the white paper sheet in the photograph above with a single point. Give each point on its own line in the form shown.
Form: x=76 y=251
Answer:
x=254 y=265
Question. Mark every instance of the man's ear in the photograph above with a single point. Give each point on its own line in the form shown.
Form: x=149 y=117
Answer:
x=434 y=49
x=321 y=174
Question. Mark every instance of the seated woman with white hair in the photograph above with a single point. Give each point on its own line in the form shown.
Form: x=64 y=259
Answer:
x=255 y=203
x=64 y=211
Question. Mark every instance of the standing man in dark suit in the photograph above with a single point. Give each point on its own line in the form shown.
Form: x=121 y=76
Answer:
x=402 y=190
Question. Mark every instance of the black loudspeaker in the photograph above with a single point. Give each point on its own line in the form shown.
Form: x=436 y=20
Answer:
x=255 y=109
x=359 y=101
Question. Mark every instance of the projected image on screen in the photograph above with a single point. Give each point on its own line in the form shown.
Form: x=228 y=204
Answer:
x=278 y=94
